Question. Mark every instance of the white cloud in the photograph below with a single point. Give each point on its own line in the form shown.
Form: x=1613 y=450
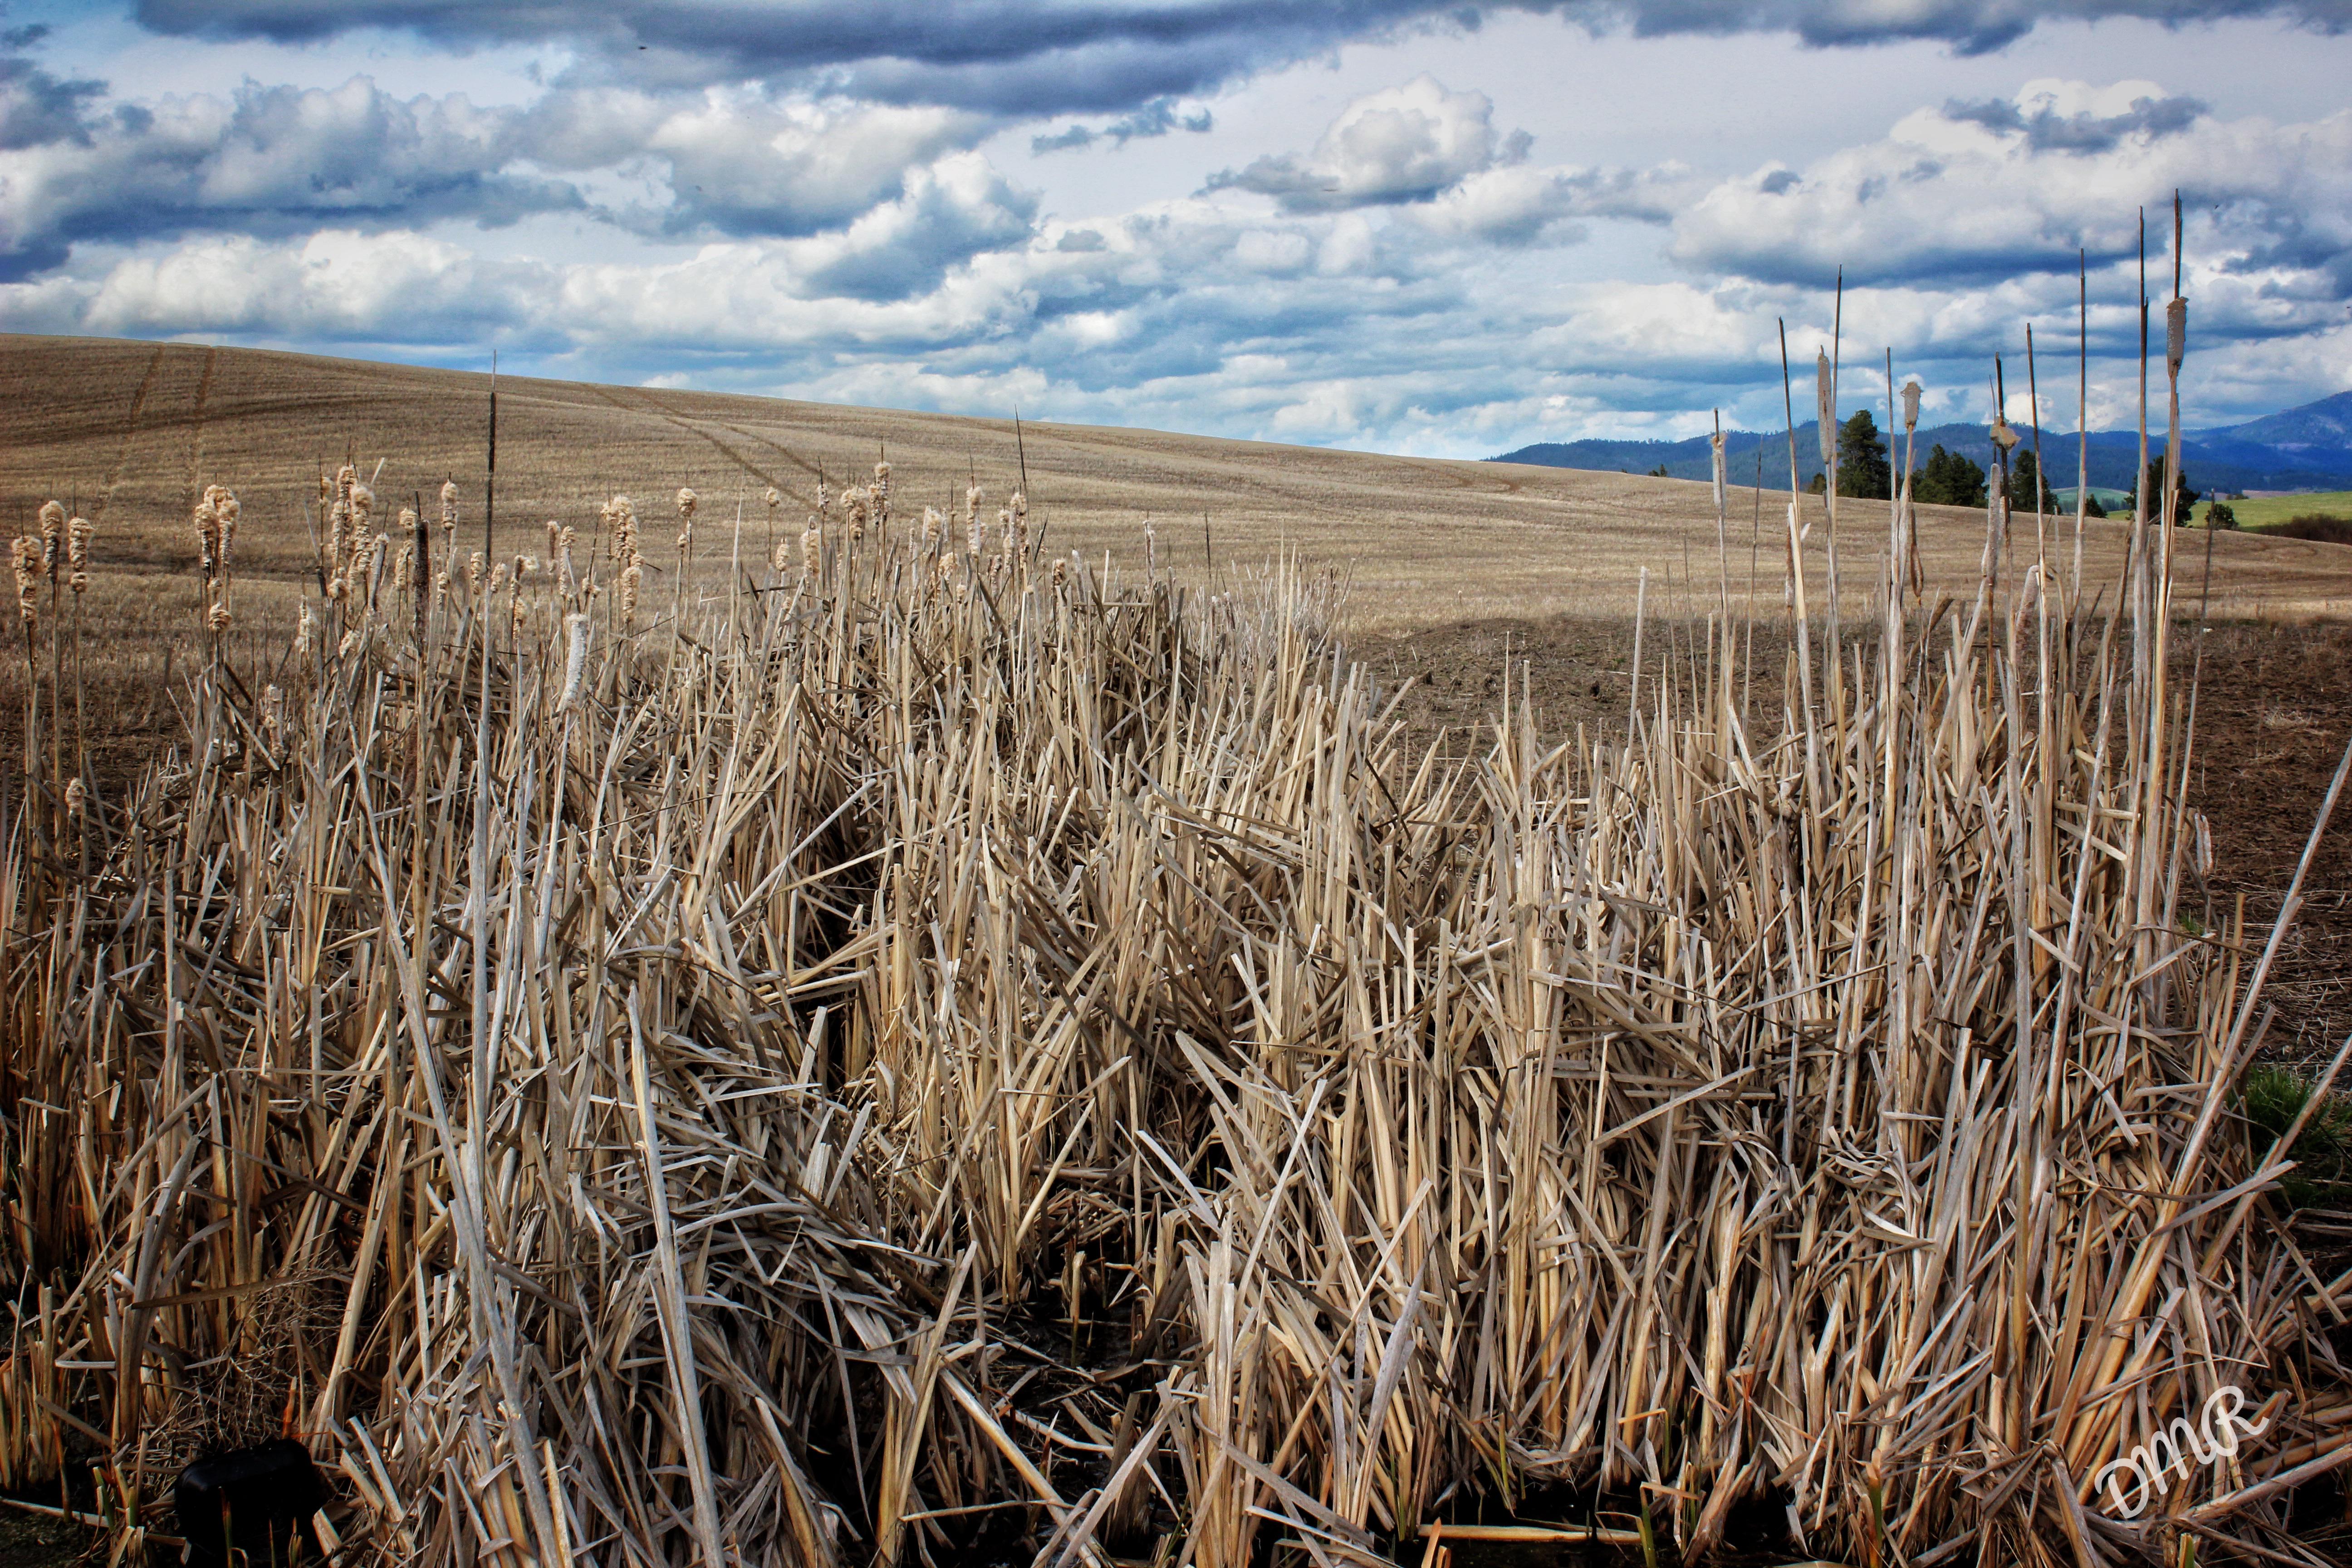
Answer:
x=1402 y=144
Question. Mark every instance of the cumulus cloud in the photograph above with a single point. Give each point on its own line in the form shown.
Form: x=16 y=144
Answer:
x=267 y=160
x=1982 y=191
x=1402 y=144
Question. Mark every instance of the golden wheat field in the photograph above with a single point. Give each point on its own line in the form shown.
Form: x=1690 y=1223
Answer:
x=957 y=1036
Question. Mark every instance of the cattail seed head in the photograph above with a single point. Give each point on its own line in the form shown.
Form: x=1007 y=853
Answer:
x=1061 y=571
x=781 y=560
x=346 y=478
x=1825 y=397
x=207 y=523
x=53 y=523
x=302 y=632
x=2004 y=434
x=774 y=498
x=273 y=707
x=73 y=799
x=26 y=559
x=631 y=576
x=363 y=505
x=933 y=523
x=79 y=581
x=474 y=567
x=498 y=576
x=812 y=549
x=687 y=502
x=575 y=660
x=78 y=532
x=228 y=510
x=2175 y=334
x=449 y=503
x=1910 y=406
x=218 y=620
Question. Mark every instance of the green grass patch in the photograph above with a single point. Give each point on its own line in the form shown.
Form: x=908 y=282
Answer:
x=2274 y=1098
x=2269 y=512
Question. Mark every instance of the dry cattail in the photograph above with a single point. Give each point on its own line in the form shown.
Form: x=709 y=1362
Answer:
x=1061 y=571
x=449 y=504
x=347 y=478
x=78 y=532
x=774 y=498
x=1825 y=400
x=53 y=523
x=2004 y=434
x=881 y=495
x=474 y=567
x=812 y=549
x=339 y=521
x=219 y=619
x=73 y=799
x=28 y=561
x=781 y=560
x=273 y=706
x=858 y=504
x=208 y=524
x=575 y=660
x=977 y=537
x=362 y=506
x=326 y=490
x=568 y=574
x=1716 y=466
x=226 y=509
x=302 y=633
x=933 y=523
x=2175 y=334
x=1910 y=406
x=408 y=559
x=632 y=575
x=498 y=576
x=79 y=581
x=687 y=502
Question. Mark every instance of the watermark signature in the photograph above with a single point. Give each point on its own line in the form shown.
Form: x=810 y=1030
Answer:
x=2175 y=1449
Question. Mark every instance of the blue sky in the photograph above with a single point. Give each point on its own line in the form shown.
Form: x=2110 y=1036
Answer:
x=1391 y=224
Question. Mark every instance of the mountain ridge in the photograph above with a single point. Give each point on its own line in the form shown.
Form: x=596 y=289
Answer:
x=2304 y=449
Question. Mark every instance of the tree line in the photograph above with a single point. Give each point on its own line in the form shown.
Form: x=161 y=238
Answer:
x=1954 y=478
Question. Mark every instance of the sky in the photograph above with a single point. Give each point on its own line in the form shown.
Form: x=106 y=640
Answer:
x=1446 y=229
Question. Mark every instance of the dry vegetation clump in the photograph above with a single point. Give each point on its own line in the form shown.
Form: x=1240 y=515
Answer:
x=940 y=1049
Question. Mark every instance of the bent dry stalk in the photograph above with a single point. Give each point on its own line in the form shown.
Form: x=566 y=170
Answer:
x=975 y=1047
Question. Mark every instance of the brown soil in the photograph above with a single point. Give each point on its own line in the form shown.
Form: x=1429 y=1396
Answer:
x=2274 y=707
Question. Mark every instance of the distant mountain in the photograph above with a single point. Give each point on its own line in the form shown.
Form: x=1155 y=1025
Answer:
x=2308 y=448
x=2325 y=423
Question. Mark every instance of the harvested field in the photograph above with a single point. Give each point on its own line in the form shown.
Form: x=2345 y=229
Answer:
x=924 y=1052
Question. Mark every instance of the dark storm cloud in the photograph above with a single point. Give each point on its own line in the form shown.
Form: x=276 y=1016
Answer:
x=2047 y=130
x=1016 y=57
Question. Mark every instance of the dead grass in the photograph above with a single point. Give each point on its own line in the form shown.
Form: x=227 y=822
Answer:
x=932 y=1050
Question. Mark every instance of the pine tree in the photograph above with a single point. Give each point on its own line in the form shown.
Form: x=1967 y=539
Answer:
x=2022 y=473
x=1863 y=467
x=1948 y=479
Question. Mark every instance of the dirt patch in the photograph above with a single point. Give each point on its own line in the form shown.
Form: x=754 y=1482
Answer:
x=2273 y=707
